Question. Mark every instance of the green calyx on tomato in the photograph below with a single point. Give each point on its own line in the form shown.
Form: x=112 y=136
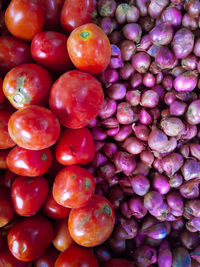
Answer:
x=20 y=96
x=85 y=35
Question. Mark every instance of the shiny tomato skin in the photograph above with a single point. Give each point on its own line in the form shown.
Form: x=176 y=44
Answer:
x=76 y=256
x=68 y=182
x=34 y=127
x=25 y=18
x=117 y=263
x=7 y=259
x=76 y=98
x=89 y=48
x=3 y=158
x=28 y=194
x=92 y=224
x=27 y=162
x=53 y=10
x=29 y=238
x=62 y=239
x=48 y=258
x=6 y=211
x=75 y=146
x=75 y=15
x=5 y=139
x=49 y=49
x=2 y=96
x=9 y=178
x=13 y=52
x=27 y=84
x=53 y=210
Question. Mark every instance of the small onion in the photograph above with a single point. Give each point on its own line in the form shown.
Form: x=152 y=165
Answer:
x=181 y=257
x=157 y=140
x=189 y=22
x=126 y=71
x=136 y=205
x=193 y=113
x=186 y=82
x=161 y=183
x=121 y=12
x=133 y=145
x=172 y=126
x=172 y=163
x=164 y=58
x=108 y=109
x=191 y=169
x=127 y=48
x=190 y=189
x=189 y=63
x=145 y=43
x=106 y=24
x=178 y=224
x=117 y=91
x=132 y=31
x=140 y=184
x=145 y=118
x=165 y=258
x=189 y=240
x=136 y=80
x=141 y=62
x=149 y=99
x=153 y=200
x=106 y=8
x=124 y=162
x=195 y=150
x=141 y=131
x=176 y=180
x=149 y=79
x=142 y=6
x=172 y=16
x=133 y=97
x=147 y=157
x=167 y=82
x=161 y=34
x=125 y=113
x=155 y=8
x=145 y=256
x=177 y=108
x=175 y=201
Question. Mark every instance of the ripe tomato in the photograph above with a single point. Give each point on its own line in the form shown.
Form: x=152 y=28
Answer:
x=26 y=85
x=34 y=127
x=6 y=208
x=92 y=224
x=117 y=263
x=75 y=146
x=27 y=162
x=30 y=237
x=2 y=96
x=5 y=139
x=89 y=48
x=76 y=98
x=53 y=210
x=68 y=182
x=8 y=260
x=28 y=194
x=75 y=15
x=48 y=258
x=76 y=256
x=8 y=178
x=62 y=239
x=25 y=18
x=52 y=13
x=3 y=158
x=13 y=52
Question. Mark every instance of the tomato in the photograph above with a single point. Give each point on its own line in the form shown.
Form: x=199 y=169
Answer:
x=53 y=10
x=76 y=256
x=68 y=182
x=25 y=18
x=8 y=260
x=3 y=158
x=6 y=209
x=75 y=146
x=26 y=85
x=53 y=210
x=30 y=237
x=117 y=263
x=3 y=28
x=62 y=239
x=34 y=127
x=13 y=52
x=92 y=224
x=75 y=15
x=28 y=194
x=48 y=258
x=27 y=162
x=9 y=178
x=5 y=139
x=2 y=96
x=76 y=98
x=89 y=48
x=49 y=50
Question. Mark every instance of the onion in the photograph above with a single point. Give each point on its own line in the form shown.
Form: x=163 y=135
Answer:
x=161 y=34
x=196 y=254
x=172 y=163
x=140 y=184
x=126 y=71
x=142 y=6
x=133 y=145
x=145 y=256
x=190 y=240
x=132 y=14
x=161 y=183
x=133 y=32
x=183 y=43
x=175 y=201
x=102 y=253
x=157 y=140
x=176 y=180
x=178 y=224
x=158 y=231
x=195 y=150
x=193 y=113
x=149 y=99
x=165 y=258
x=141 y=62
x=149 y=79
x=136 y=206
x=133 y=97
x=141 y=132
x=164 y=58
x=136 y=80
x=190 y=189
x=186 y=82
x=145 y=43
x=124 y=162
x=172 y=126
x=106 y=8
x=121 y=13
x=181 y=257
x=172 y=16
x=127 y=48
x=191 y=169
x=108 y=109
x=167 y=82
x=177 y=108
x=155 y=8
x=117 y=91
x=145 y=117
x=106 y=23
x=153 y=200
x=193 y=8
x=189 y=22
x=147 y=157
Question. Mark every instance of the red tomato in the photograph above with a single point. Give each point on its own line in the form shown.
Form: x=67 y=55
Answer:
x=13 y=52
x=52 y=13
x=75 y=146
x=9 y=178
x=8 y=260
x=28 y=194
x=76 y=256
x=76 y=98
x=92 y=224
x=62 y=239
x=34 y=127
x=2 y=96
x=27 y=84
x=89 y=48
x=48 y=258
x=49 y=50
x=117 y=263
x=27 y=162
x=3 y=158
x=6 y=209
x=25 y=18
x=5 y=139
x=30 y=237
x=68 y=182
x=3 y=29
x=53 y=210
x=75 y=15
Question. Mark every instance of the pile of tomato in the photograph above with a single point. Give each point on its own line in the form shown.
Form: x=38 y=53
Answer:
x=50 y=52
